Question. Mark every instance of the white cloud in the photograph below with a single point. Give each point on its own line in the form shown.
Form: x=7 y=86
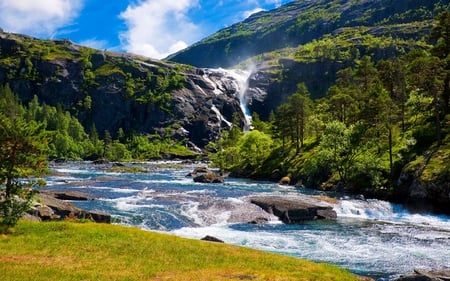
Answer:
x=251 y=12
x=37 y=18
x=157 y=28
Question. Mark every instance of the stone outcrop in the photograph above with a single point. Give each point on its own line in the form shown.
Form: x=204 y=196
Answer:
x=48 y=207
x=295 y=209
x=205 y=175
x=68 y=195
x=419 y=275
x=424 y=184
x=209 y=178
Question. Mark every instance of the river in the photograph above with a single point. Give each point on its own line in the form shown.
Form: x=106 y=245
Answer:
x=370 y=237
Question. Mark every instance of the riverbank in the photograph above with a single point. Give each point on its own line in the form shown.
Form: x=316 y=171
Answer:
x=75 y=251
x=370 y=237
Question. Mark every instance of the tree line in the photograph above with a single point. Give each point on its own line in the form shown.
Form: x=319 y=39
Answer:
x=376 y=118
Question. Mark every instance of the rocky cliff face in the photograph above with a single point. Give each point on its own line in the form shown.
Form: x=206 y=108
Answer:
x=116 y=91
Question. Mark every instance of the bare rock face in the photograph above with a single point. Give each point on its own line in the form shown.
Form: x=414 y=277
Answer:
x=295 y=209
x=198 y=108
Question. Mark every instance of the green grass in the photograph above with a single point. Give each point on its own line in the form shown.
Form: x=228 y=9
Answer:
x=75 y=251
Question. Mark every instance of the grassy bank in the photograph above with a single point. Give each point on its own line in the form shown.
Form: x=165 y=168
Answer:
x=75 y=251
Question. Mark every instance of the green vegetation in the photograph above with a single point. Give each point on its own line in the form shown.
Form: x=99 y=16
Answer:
x=22 y=154
x=68 y=139
x=389 y=24
x=75 y=251
x=375 y=119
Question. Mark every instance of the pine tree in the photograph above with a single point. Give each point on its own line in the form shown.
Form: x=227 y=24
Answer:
x=23 y=148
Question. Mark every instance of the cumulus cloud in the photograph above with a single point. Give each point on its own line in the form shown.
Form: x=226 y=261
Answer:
x=38 y=18
x=157 y=28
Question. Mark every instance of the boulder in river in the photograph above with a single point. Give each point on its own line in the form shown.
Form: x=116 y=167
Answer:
x=209 y=178
x=68 y=195
x=295 y=209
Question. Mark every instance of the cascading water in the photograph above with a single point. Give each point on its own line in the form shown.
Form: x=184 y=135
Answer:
x=241 y=79
x=235 y=80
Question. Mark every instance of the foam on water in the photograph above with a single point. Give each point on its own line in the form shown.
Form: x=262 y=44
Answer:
x=182 y=181
x=378 y=210
x=362 y=249
x=370 y=237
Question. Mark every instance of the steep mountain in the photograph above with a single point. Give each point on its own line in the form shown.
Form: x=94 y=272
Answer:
x=300 y=22
x=309 y=41
x=118 y=91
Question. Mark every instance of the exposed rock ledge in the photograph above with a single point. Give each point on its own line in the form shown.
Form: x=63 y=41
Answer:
x=49 y=207
x=434 y=275
x=295 y=209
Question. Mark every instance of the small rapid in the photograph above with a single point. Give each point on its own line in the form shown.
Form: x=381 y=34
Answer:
x=370 y=237
x=382 y=211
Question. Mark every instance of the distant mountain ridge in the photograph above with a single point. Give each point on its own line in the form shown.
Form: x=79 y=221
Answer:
x=300 y=22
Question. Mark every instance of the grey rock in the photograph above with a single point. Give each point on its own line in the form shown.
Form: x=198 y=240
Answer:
x=211 y=239
x=209 y=178
x=69 y=195
x=295 y=209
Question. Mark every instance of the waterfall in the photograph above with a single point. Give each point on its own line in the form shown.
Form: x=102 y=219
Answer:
x=235 y=80
x=240 y=77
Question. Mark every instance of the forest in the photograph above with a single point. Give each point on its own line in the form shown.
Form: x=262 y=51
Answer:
x=69 y=140
x=379 y=120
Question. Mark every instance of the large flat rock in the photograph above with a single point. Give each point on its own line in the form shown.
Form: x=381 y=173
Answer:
x=49 y=207
x=295 y=209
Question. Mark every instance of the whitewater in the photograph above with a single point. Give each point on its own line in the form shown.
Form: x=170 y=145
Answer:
x=370 y=237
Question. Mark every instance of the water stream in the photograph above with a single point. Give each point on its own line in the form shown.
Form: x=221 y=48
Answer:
x=370 y=237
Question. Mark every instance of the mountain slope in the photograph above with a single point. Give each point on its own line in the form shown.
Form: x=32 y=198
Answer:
x=119 y=91
x=300 y=22
x=310 y=41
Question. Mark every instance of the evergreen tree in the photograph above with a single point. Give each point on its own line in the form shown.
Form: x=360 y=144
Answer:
x=440 y=33
x=300 y=108
x=425 y=75
x=23 y=148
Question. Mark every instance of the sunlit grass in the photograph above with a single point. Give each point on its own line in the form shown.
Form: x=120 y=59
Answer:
x=74 y=251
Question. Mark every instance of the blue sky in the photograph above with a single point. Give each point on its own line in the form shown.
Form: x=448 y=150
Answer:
x=153 y=28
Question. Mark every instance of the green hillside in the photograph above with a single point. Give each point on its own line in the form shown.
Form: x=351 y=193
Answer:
x=301 y=22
